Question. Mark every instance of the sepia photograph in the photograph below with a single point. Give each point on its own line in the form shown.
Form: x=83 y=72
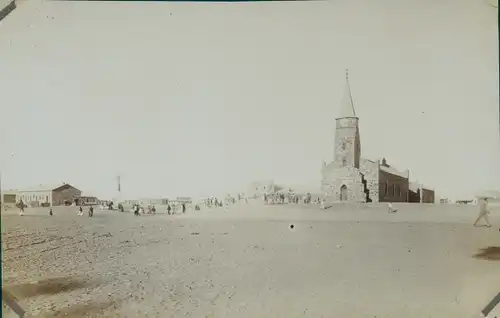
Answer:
x=257 y=159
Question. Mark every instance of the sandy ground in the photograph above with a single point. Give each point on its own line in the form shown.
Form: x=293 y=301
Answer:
x=247 y=261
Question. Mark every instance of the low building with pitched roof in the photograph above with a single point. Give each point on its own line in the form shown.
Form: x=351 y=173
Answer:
x=50 y=195
x=419 y=193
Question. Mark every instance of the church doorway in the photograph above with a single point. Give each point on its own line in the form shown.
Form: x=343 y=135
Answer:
x=343 y=193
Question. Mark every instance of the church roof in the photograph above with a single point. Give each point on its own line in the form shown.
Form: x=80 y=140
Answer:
x=415 y=186
x=394 y=171
x=347 y=105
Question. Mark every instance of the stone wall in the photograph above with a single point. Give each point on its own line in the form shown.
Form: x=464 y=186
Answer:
x=347 y=147
x=344 y=170
x=335 y=177
x=393 y=188
x=370 y=171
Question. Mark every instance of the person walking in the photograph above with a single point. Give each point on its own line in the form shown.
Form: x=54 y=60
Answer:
x=21 y=207
x=91 y=211
x=391 y=209
x=484 y=211
x=50 y=212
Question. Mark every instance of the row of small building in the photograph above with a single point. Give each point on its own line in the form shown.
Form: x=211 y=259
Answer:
x=66 y=194
x=48 y=195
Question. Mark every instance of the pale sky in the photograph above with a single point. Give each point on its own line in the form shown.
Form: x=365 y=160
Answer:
x=200 y=99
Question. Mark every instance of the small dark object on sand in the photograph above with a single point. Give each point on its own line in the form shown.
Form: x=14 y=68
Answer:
x=50 y=212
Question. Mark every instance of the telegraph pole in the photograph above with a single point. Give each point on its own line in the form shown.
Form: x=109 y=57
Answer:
x=118 y=179
x=118 y=189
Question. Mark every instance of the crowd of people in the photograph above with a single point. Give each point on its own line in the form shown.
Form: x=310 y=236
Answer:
x=138 y=210
x=288 y=198
x=273 y=198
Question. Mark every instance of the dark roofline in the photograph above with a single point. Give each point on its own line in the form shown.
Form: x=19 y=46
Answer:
x=41 y=189
x=64 y=185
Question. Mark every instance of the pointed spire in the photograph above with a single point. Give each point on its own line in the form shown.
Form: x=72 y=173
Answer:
x=347 y=106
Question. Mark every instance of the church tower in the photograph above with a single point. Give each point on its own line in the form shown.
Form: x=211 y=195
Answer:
x=347 y=141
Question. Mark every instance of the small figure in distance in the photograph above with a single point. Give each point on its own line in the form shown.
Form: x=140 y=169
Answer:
x=484 y=211
x=50 y=212
x=391 y=209
x=21 y=208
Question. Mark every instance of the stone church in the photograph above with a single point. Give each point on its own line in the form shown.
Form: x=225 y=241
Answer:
x=351 y=178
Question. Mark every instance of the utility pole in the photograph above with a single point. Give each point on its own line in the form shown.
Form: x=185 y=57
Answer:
x=118 y=197
x=119 y=184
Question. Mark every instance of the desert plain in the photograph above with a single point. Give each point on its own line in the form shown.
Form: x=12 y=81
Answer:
x=253 y=261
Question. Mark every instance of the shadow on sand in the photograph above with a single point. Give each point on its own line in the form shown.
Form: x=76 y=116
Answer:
x=51 y=286
x=87 y=310
x=491 y=253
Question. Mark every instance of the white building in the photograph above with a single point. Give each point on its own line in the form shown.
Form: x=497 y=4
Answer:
x=49 y=195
